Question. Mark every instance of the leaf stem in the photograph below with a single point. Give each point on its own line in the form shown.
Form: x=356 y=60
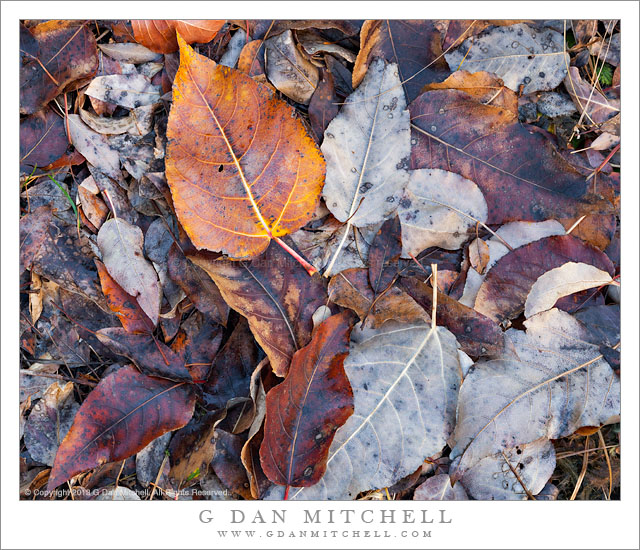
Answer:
x=304 y=263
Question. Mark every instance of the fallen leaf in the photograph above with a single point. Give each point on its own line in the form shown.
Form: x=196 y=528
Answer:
x=315 y=44
x=149 y=460
x=56 y=55
x=127 y=90
x=129 y=52
x=518 y=54
x=439 y=487
x=479 y=255
x=477 y=335
x=277 y=297
x=43 y=140
x=237 y=156
x=288 y=69
x=405 y=380
x=227 y=465
x=367 y=148
x=383 y=256
x=562 y=281
x=504 y=291
x=121 y=246
x=93 y=206
x=304 y=412
x=556 y=384
x=607 y=50
x=414 y=46
x=49 y=422
x=159 y=35
x=492 y=478
x=251 y=60
x=602 y=324
x=589 y=101
x=114 y=421
x=323 y=105
x=437 y=209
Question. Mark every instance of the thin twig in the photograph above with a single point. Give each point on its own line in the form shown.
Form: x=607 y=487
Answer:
x=520 y=480
x=434 y=299
x=606 y=456
x=585 y=463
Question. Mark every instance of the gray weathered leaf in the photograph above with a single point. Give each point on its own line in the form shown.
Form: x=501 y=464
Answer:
x=516 y=234
x=367 y=148
x=594 y=107
x=437 y=209
x=139 y=122
x=607 y=50
x=562 y=281
x=493 y=479
x=405 y=382
x=234 y=47
x=127 y=90
x=149 y=460
x=438 y=487
x=518 y=54
x=129 y=52
x=121 y=246
x=556 y=383
x=288 y=70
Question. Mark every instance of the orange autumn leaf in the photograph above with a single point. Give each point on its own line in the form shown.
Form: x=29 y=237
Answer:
x=159 y=35
x=241 y=168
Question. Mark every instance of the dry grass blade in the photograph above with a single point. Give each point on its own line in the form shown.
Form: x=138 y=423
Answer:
x=583 y=471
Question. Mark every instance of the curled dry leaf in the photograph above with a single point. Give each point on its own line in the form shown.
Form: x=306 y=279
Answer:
x=159 y=35
x=289 y=69
x=127 y=90
x=405 y=381
x=437 y=209
x=229 y=140
x=414 y=46
x=125 y=412
x=121 y=245
x=304 y=412
x=129 y=52
x=439 y=487
x=595 y=107
x=504 y=291
x=556 y=383
x=561 y=281
x=367 y=148
x=277 y=297
x=55 y=55
x=493 y=479
x=518 y=54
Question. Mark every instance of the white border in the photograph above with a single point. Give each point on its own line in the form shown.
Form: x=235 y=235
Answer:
x=176 y=525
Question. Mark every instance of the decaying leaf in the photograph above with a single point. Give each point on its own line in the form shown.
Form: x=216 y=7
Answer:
x=304 y=412
x=479 y=255
x=383 y=256
x=562 y=281
x=275 y=294
x=125 y=412
x=405 y=380
x=230 y=141
x=596 y=107
x=367 y=148
x=93 y=206
x=129 y=52
x=43 y=140
x=127 y=90
x=518 y=54
x=555 y=384
x=323 y=105
x=289 y=70
x=159 y=35
x=121 y=246
x=439 y=487
x=437 y=209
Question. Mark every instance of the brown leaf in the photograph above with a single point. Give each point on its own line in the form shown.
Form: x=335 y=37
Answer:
x=92 y=205
x=323 y=106
x=227 y=465
x=197 y=285
x=350 y=288
x=479 y=255
x=477 y=335
x=66 y=53
x=43 y=140
x=413 y=45
x=124 y=413
x=505 y=289
x=304 y=411
x=125 y=306
x=159 y=35
x=589 y=101
x=277 y=297
x=518 y=169
x=251 y=60
x=230 y=140
x=384 y=254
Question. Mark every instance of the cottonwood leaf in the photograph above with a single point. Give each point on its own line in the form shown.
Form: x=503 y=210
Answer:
x=277 y=297
x=159 y=35
x=240 y=167
x=125 y=412
x=520 y=172
x=127 y=90
x=439 y=487
x=289 y=70
x=515 y=234
x=556 y=383
x=323 y=105
x=518 y=54
x=493 y=479
x=504 y=291
x=43 y=140
x=121 y=245
x=479 y=255
x=591 y=102
x=129 y=52
x=367 y=148
x=437 y=209
x=414 y=46
x=562 y=281
x=405 y=382
x=304 y=412
x=384 y=254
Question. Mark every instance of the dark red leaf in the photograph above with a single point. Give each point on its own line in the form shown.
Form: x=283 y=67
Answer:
x=383 y=255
